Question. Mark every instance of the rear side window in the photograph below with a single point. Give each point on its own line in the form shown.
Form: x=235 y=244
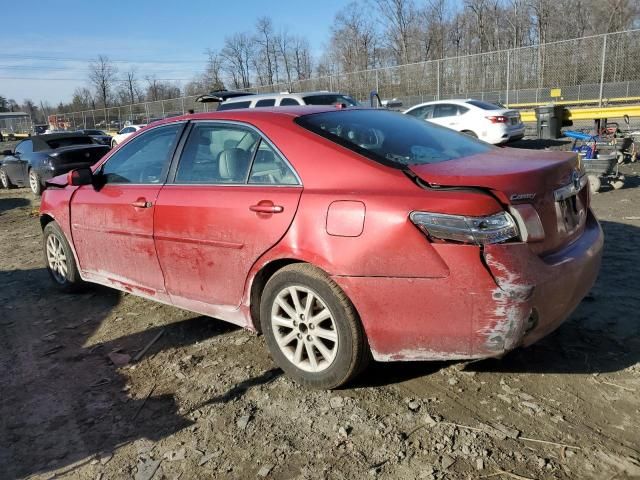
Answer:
x=68 y=141
x=234 y=105
x=288 y=102
x=445 y=110
x=392 y=138
x=267 y=102
x=426 y=111
x=269 y=168
x=483 y=105
x=329 y=99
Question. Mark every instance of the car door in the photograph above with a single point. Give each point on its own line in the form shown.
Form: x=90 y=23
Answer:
x=112 y=225
x=17 y=165
x=232 y=197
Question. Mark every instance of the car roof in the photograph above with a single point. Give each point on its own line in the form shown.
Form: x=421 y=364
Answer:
x=262 y=114
x=280 y=95
x=40 y=141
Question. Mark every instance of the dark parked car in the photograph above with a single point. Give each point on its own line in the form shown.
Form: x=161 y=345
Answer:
x=98 y=135
x=37 y=159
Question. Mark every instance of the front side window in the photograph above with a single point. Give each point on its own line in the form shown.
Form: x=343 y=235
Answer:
x=234 y=105
x=144 y=159
x=392 y=138
x=217 y=153
x=24 y=147
x=426 y=111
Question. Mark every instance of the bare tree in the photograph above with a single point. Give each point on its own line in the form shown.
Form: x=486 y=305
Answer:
x=102 y=75
x=265 y=59
x=131 y=87
x=238 y=54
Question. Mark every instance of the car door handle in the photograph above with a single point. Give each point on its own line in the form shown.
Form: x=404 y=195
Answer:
x=142 y=203
x=266 y=207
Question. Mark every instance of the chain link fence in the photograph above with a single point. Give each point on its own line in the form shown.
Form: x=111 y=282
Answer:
x=590 y=70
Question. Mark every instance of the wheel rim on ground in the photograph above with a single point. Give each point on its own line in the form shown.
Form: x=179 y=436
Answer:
x=33 y=182
x=56 y=259
x=304 y=329
x=4 y=179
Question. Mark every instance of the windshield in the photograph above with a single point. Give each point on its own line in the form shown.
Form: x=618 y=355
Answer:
x=392 y=138
x=484 y=105
x=329 y=99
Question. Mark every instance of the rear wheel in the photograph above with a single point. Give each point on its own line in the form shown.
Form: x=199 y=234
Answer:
x=311 y=328
x=35 y=183
x=60 y=261
x=4 y=179
x=470 y=133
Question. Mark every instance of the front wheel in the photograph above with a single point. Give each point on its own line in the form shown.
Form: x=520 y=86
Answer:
x=35 y=183
x=311 y=328
x=4 y=179
x=60 y=261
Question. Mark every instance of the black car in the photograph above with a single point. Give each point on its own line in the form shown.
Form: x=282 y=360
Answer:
x=40 y=158
x=98 y=135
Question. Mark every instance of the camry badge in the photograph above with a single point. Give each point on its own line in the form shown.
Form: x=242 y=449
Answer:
x=517 y=197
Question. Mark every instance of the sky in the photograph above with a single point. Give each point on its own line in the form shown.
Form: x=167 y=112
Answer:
x=45 y=51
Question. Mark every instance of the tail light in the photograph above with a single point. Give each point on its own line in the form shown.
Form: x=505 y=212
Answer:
x=496 y=228
x=498 y=119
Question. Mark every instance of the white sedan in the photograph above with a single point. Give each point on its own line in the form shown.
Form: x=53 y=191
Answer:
x=486 y=121
x=127 y=131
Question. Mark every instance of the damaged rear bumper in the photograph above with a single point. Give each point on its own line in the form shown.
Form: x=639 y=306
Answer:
x=493 y=301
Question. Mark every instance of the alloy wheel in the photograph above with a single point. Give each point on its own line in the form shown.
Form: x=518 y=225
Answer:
x=304 y=329
x=4 y=179
x=33 y=182
x=57 y=259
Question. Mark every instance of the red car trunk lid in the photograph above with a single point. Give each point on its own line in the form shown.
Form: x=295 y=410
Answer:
x=518 y=176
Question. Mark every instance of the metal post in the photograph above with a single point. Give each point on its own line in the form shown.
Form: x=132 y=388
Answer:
x=182 y=99
x=578 y=92
x=330 y=84
x=438 y=79
x=377 y=83
x=162 y=104
x=508 y=73
x=93 y=114
x=604 y=58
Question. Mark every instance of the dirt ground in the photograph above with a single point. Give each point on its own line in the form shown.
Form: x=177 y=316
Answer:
x=206 y=401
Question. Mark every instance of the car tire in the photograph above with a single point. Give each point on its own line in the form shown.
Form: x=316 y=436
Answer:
x=470 y=133
x=298 y=303
x=35 y=183
x=61 y=263
x=4 y=179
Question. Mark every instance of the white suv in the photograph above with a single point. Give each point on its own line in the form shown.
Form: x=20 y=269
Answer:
x=486 y=121
x=287 y=99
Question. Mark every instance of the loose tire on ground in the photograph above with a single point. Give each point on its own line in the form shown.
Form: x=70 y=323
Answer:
x=594 y=183
x=305 y=314
x=59 y=259
x=35 y=183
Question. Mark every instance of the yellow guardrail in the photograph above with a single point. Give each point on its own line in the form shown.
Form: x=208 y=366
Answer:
x=591 y=113
x=575 y=102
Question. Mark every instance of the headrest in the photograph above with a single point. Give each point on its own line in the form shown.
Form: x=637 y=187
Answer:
x=233 y=164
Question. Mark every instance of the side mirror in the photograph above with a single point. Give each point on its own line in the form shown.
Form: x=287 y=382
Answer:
x=626 y=119
x=79 y=177
x=7 y=153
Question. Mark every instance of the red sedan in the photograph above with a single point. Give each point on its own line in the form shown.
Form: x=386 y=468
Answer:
x=340 y=234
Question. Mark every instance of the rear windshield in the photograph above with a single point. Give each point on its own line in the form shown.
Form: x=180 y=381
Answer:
x=329 y=99
x=68 y=141
x=484 y=105
x=234 y=105
x=392 y=138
